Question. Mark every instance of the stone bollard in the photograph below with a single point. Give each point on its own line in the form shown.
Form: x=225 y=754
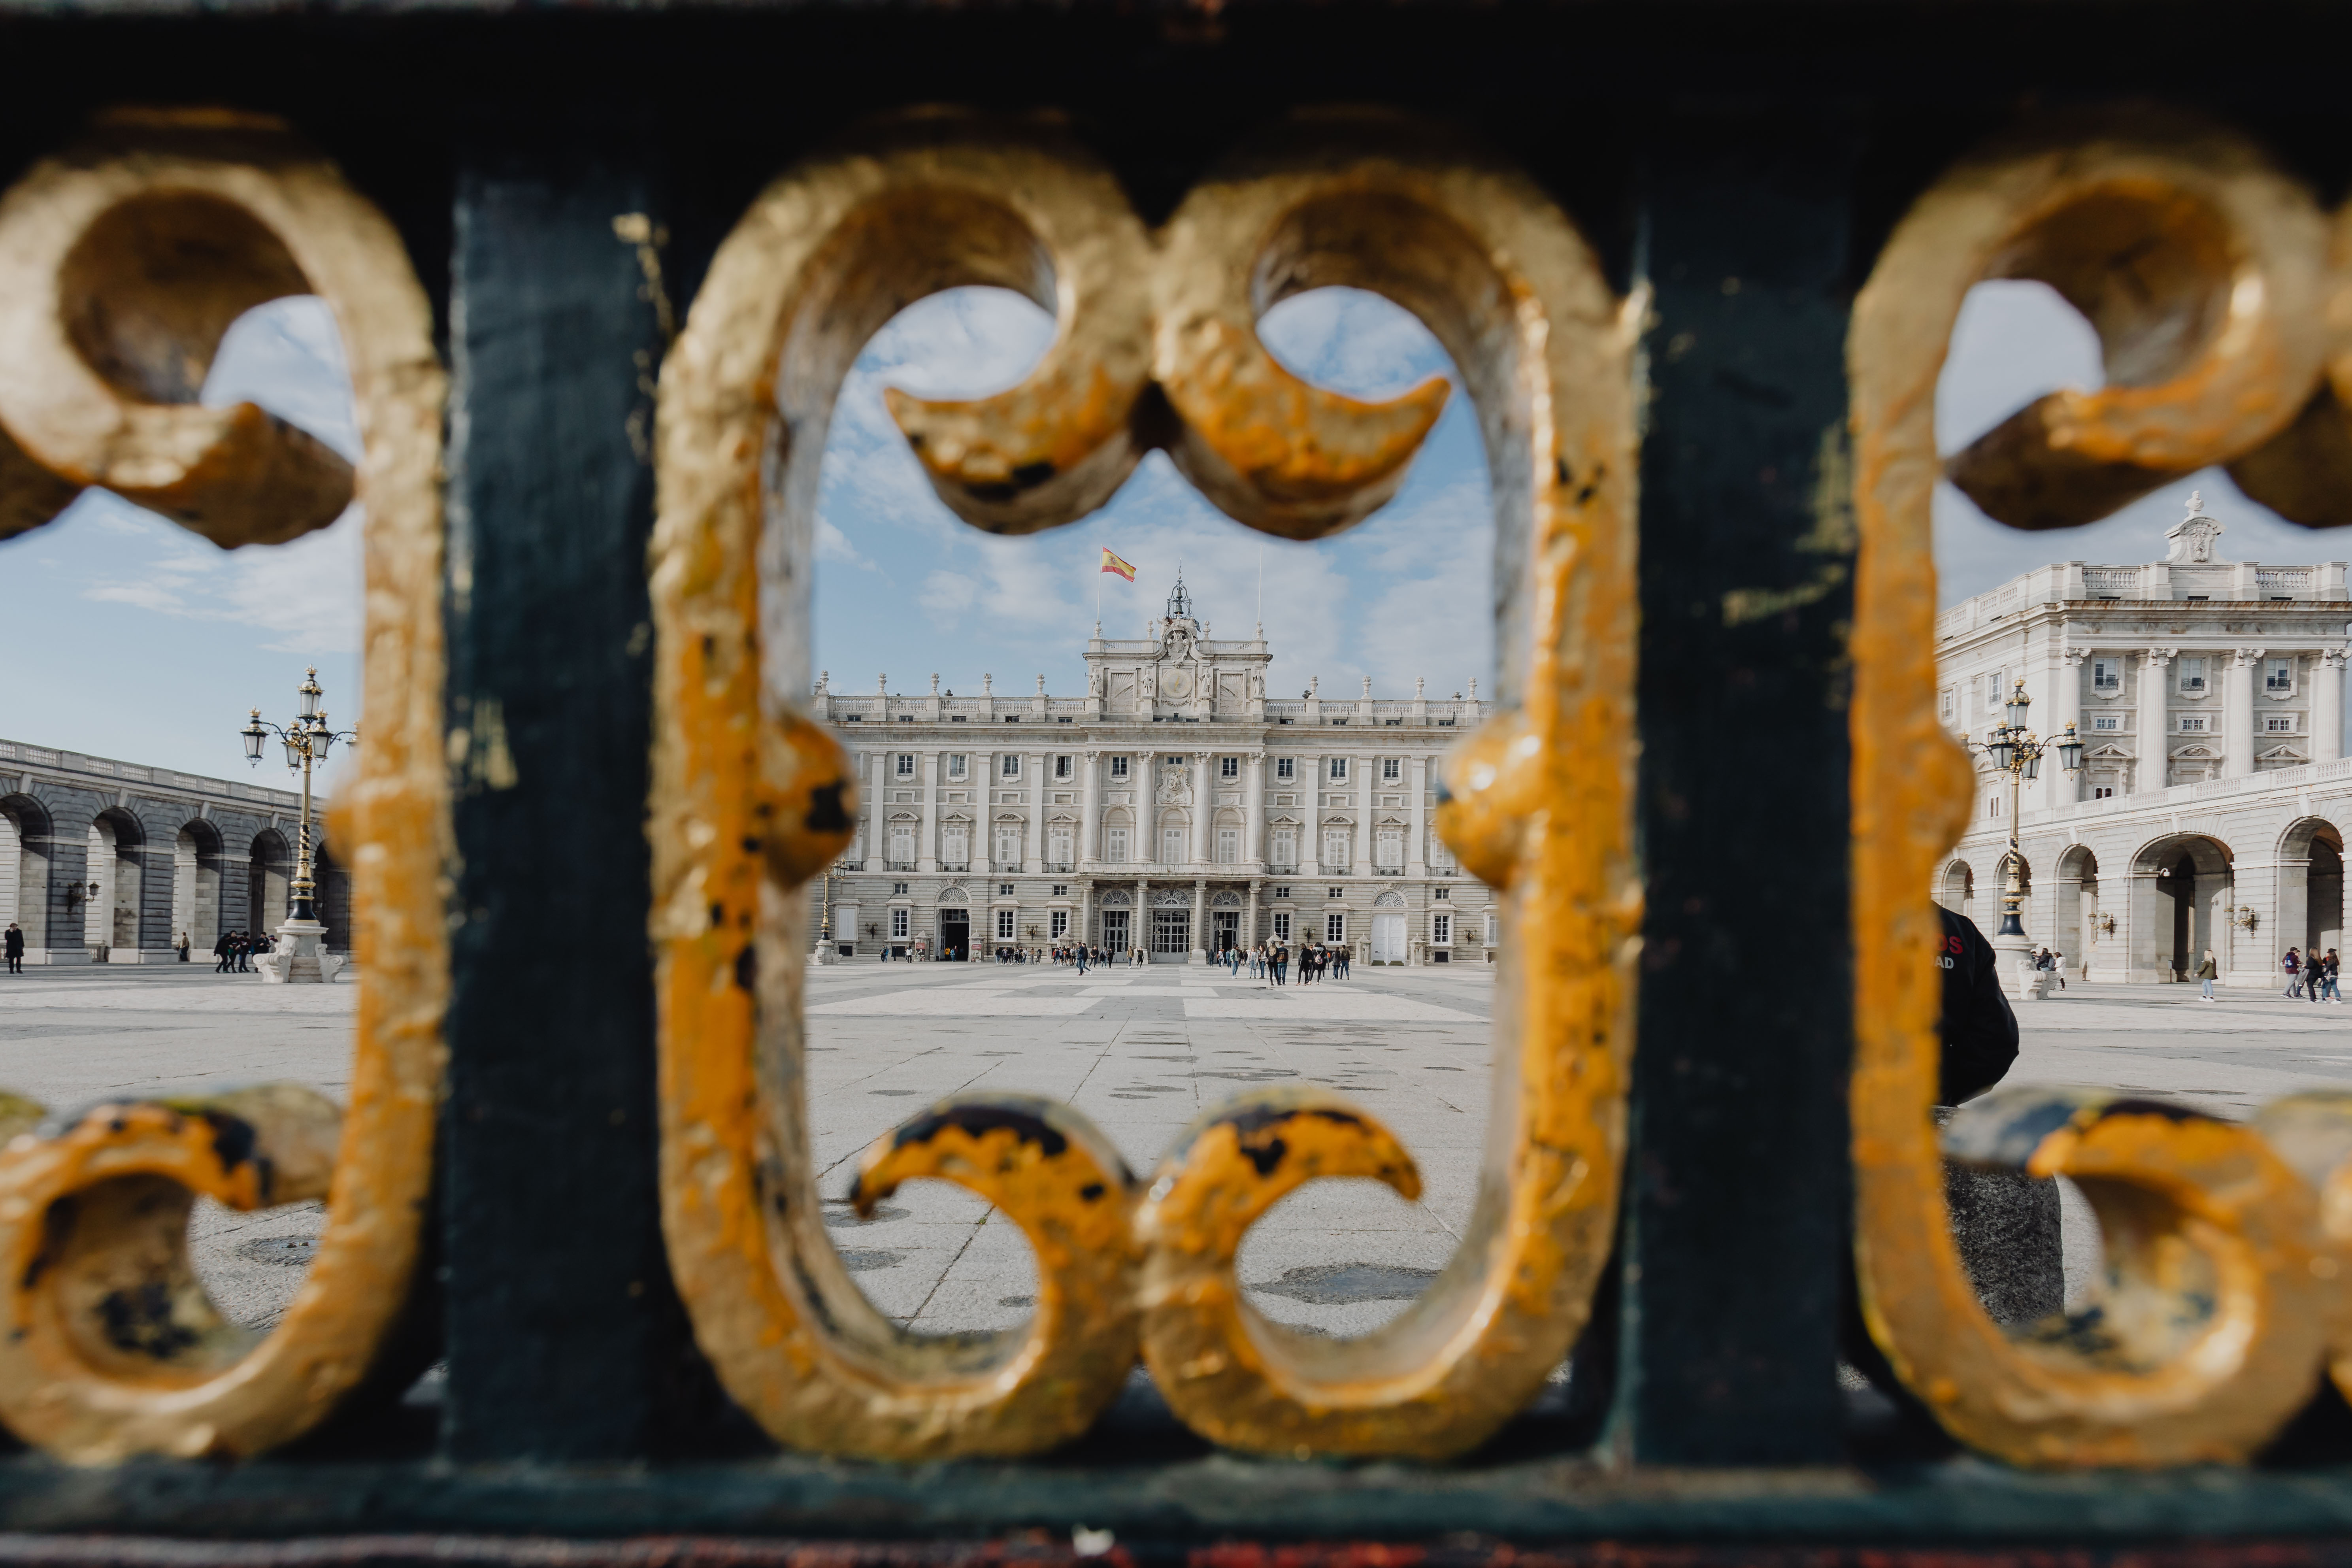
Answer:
x=2006 y=1225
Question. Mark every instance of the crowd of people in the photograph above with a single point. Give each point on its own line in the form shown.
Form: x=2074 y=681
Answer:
x=236 y=949
x=1272 y=961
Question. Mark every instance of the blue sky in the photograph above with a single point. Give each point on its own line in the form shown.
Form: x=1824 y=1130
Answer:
x=124 y=635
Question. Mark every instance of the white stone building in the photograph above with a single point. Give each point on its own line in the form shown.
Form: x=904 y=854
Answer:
x=2212 y=802
x=1173 y=807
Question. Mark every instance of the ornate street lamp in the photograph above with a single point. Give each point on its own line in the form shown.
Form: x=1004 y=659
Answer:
x=306 y=742
x=2016 y=750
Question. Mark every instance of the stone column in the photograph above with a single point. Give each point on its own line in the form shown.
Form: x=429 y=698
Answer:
x=2328 y=707
x=2062 y=788
x=1415 y=848
x=1249 y=929
x=1253 y=846
x=1311 y=853
x=2238 y=713
x=1139 y=932
x=926 y=852
x=877 y=815
x=1146 y=809
x=2153 y=744
x=1204 y=811
x=1201 y=921
x=1364 y=767
x=1034 y=861
x=1090 y=809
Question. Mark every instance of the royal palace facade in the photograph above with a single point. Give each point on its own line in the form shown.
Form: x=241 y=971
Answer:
x=1173 y=807
x=2214 y=796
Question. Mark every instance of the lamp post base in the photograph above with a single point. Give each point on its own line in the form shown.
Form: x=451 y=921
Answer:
x=2014 y=962
x=301 y=958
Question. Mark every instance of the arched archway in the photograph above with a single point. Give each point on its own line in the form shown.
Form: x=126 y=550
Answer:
x=270 y=870
x=114 y=887
x=2310 y=888
x=1956 y=889
x=2074 y=909
x=26 y=856
x=2183 y=886
x=196 y=886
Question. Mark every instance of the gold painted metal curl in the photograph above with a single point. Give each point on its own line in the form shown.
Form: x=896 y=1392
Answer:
x=2221 y=355
x=124 y=259
x=820 y=261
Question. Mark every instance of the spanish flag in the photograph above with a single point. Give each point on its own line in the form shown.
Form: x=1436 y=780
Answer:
x=1113 y=564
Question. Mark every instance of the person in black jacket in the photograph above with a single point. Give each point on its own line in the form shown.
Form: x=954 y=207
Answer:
x=1979 y=1031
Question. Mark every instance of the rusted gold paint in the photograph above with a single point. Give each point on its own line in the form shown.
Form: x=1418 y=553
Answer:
x=2203 y=270
x=820 y=262
x=238 y=189
x=2178 y=1189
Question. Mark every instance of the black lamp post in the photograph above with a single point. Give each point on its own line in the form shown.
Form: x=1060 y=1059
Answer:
x=2017 y=751
x=306 y=742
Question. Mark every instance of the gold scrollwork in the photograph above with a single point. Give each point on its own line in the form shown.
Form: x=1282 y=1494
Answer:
x=2203 y=269
x=122 y=263
x=1540 y=804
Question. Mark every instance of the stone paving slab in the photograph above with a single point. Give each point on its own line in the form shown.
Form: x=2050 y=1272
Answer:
x=1140 y=1051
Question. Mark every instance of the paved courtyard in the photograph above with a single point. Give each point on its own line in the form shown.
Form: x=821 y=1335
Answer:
x=1140 y=1051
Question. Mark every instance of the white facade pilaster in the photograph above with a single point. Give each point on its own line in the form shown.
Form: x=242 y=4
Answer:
x=1415 y=851
x=1090 y=810
x=1034 y=862
x=2154 y=742
x=1255 y=850
x=2328 y=707
x=878 y=812
x=2062 y=787
x=1364 y=768
x=1311 y=853
x=2238 y=713
x=926 y=852
x=1204 y=810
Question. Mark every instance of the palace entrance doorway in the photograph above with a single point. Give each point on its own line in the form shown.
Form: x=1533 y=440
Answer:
x=1115 y=939
x=1171 y=936
x=1227 y=925
x=1388 y=938
x=955 y=935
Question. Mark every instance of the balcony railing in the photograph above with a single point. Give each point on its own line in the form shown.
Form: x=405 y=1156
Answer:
x=897 y=865
x=955 y=868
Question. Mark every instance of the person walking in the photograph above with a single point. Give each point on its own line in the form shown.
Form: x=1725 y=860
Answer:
x=14 y=947
x=2207 y=973
x=220 y=953
x=2058 y=967
x=2328 y=968
x=2293 y=964
x=1280 y=959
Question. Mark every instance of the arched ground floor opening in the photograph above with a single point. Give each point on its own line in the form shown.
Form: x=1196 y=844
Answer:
x=2183 y=887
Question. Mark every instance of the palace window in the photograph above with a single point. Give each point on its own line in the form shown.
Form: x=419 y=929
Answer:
x=1993 y=804
x=1442 y=893
x=1229 y=846
x=899 y=925
x=2278 y=724
x=1118 y=767
x=955 y=846
x=1441 y=930
x=1285 y=853
x=1061 y=924
x=1004 y=925
x=1490 y=930
x=957 y=765
x=1009 y=765
x=1338 y=769
x=1229 y=767
x=956 y=719
x=1285 y=767
x=1441 y=856
x=1391 y=846
x=1005 y=890
x=1335 y=926
x=906 y=765
x=1994 y=689
x=1335 y=848
x=2193 y=723
x=2278 y=675
x=2102 y=792
x=1061 y=889
x=1281 y=925
x=1391 y=769
x=2192 y=675
x=902 y=844
x=897 y=889
x=853 y=718
x=1118 y=848
x=1062 y=766
x=2106 y=674
x=1334 y=892
x=2106 y=722
x=1008 y=845
x=1058 y=838
x=1172 y=847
